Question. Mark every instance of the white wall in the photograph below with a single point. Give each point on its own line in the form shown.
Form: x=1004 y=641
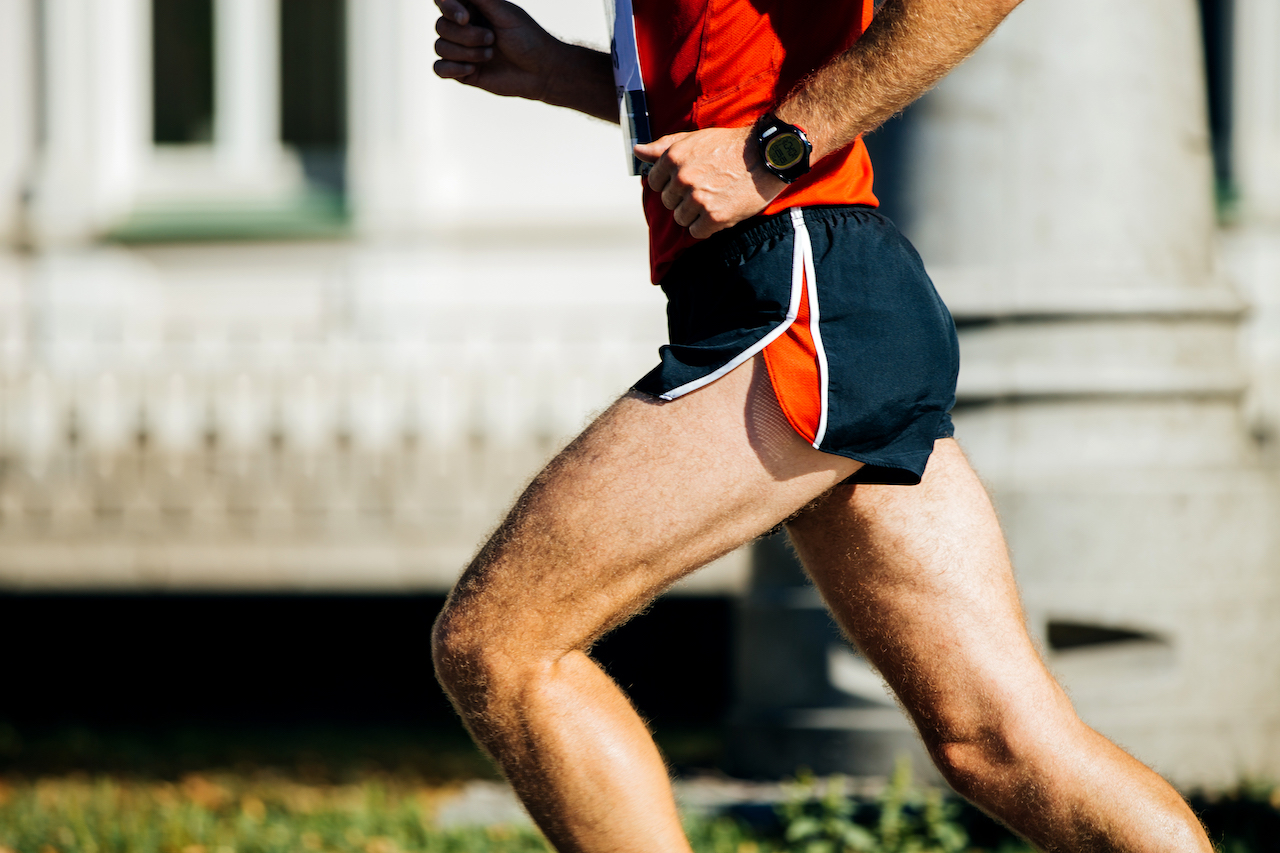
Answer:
x=96 y=54
x=429 y=154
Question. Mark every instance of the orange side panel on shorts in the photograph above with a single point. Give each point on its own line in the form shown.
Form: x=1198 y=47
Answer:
x=792 y=361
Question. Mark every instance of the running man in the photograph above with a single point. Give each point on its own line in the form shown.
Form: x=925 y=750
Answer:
x=808 y=380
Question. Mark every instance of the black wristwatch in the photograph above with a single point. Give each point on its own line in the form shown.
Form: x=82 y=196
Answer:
x=784 y=148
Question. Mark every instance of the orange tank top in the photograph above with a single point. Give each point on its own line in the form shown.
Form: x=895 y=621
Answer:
x=724 y=63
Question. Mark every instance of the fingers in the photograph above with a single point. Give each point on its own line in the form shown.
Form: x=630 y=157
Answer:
x=686 y=212
x=664 y=179
x=454 y=70
x=454 y=52
x=460 y=46
x=465 y=36
x=491 y=8
x=478 y=12
x=649 y=152
x=702 y=179
x=704 y=226
x=661 y=176
x=453 y=10
x=692 y=213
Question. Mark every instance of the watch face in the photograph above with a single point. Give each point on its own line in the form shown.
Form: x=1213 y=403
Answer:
x=784 y=150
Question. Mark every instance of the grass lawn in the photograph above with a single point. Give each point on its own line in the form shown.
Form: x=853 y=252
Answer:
x=378 y=790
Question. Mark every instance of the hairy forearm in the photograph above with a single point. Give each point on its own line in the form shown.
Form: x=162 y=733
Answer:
x=583 y=81
x=908 y=48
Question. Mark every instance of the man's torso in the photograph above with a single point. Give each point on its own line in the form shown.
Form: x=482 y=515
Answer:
x=724 y=63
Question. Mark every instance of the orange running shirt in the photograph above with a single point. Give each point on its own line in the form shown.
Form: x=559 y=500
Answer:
x=724 y=63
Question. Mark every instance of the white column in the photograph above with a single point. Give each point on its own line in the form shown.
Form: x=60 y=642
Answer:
x=1256 y=109
x=1064 y=200
x=247 y=86
x=1251 y=247
x=96 y=103
x=17 y=110
x=1074 y=159
x=392 y=176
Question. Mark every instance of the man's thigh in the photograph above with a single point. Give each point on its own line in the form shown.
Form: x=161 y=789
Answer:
x=649 y=492
x=919 y=577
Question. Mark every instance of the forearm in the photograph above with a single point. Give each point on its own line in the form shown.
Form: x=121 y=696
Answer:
x=583 y=82
x=908 y=48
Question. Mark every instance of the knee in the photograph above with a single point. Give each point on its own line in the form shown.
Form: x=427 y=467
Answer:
x=463 y=659
x=976 y=764
x=997 y=757
x=475 y=660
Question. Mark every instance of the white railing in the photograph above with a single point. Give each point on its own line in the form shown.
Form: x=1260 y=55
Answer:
x=381 y=440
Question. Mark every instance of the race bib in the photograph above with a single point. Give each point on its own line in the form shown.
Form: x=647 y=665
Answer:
x=633 y=110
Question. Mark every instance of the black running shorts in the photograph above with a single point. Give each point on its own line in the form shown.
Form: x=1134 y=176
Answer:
x=860 y=349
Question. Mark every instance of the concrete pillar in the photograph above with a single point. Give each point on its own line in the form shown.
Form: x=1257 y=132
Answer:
x=1251 y=246
x=1062 y=199
x=1066 y=166
x=96 y=107
x=17 y=111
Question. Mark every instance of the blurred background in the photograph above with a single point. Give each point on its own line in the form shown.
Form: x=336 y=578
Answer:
x=286 y=322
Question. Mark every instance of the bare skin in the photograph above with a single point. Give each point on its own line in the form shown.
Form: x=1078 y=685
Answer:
x=920 y=580
x=918 y=576
x=648 y=493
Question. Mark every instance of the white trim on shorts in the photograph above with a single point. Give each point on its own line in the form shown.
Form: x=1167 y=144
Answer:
x=804 y=263
x=802 y=254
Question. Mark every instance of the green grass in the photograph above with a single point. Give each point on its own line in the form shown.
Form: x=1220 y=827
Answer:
x=232 y=814
x=377 y=790
x=263 y=813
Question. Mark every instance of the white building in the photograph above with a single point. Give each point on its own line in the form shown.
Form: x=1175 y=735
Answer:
x=281 y=310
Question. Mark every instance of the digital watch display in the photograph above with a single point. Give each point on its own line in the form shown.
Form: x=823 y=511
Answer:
x=784 y=148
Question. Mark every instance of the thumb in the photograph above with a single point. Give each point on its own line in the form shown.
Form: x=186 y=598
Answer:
x=650 y=152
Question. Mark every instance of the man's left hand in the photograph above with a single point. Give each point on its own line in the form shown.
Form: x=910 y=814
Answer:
x=710 y=179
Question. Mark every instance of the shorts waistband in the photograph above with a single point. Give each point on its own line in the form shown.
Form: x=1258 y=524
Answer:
x=760 y=228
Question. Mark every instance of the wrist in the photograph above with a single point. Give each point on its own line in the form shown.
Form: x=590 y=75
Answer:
x=580 y=78
x=784 y=148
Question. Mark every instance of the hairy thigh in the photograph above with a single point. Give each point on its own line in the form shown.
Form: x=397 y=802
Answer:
x=919 y=578
x=648 y=493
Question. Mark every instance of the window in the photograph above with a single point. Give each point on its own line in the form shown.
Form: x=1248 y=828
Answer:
x=248 y=122
x=313 y=117
x=1216 y=17
x=182 y=55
